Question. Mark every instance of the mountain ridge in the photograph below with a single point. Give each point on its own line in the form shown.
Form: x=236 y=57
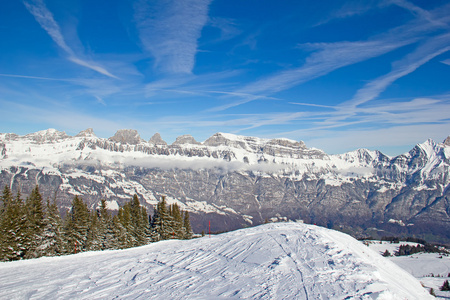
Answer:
x=240 y=180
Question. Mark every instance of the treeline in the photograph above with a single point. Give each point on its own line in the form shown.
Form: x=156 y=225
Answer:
x=31 y=228
x=427 y=248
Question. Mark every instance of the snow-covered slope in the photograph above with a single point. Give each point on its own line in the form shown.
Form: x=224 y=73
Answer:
x=432 y=269
x=273 y=261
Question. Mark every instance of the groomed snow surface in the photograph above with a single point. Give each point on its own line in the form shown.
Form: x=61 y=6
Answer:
x=272 y=261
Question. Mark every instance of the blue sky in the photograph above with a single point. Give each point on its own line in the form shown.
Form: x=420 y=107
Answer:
x=339 y=75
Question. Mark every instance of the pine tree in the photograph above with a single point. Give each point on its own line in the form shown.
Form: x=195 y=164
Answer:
x=139 y=222
x=53 y=242
x=35 y=224
x=176 y=222
x=77 y=226
x=161 y=228
x=121 y=237
x=445 y=286
x=93 y=239
x=106 y=228
x=126 y=229
x=13 y=228
x=187 y=226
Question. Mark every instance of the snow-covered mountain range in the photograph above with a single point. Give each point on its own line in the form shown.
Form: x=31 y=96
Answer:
x=239 y=181
x=272 y=261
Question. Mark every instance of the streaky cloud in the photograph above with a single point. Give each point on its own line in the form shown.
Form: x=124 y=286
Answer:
x=424 y=53
x=45 y=19
x=169 y=31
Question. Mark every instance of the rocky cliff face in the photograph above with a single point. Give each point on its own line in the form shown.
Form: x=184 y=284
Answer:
x=238 y=181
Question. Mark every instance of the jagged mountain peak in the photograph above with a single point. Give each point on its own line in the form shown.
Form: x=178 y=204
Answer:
x=127 y=136
x=86 y=133
x=157 y=140
x=185 y=139
x=447 y=141
x=49 y=135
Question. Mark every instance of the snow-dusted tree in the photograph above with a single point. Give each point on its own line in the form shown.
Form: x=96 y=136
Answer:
x=34 y=210
x=53 y=242
x=13 y=228
x=93 y=239
x=127 y=238
x=178 y=228
x=106 y=228
x=134 y=219
x=76 y=225
x=187 y=226
x=161 y=222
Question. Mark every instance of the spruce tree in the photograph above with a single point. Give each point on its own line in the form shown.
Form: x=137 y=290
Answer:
x=14 y=241
x=35 y=224
x=106 y=228
x=77 y=226
x=93 y=239
x=53 y=242
x=161 y=222
x=187 y=226
x=445 y=286
x=128 y=238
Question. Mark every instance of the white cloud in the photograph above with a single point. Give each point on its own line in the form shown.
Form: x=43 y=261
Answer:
x=45 y=19
x=169 y=30
x=424 y=53
x=91 y=66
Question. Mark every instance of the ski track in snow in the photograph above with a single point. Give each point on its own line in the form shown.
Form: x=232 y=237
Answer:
x=273 y=261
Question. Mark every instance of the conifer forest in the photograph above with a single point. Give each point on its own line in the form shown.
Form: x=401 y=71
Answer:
x=32 y=227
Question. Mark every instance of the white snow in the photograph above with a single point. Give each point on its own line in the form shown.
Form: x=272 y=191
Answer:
x=431 y=269
x=272 y=261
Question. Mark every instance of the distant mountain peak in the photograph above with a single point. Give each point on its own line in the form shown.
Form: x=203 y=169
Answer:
x=447 y=141
x=86 y=133
x=157 y=140
x=126 y=136
x=49 y=135
x=185 y=139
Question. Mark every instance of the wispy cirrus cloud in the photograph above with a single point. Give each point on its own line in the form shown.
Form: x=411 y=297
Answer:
x=328 y=57
x=424 y=53
x=169 y=30
x=45 y=19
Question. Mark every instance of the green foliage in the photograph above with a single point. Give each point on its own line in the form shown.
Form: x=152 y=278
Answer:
x=386 y=253
x=53 y=241
x=30 y=229
x=170 y=222
x=76 y=226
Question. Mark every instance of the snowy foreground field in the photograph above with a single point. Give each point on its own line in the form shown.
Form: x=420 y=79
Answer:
x=273 y=261
x=431 y=269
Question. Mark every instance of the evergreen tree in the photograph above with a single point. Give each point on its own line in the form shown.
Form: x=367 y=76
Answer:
x=187 y=226
x=445 y=286
x=177 y=222
x=53 y=242
x=13 y=228
x=121 y=238
x=35 y=224
x=139 y=222
x=77 y=226
x=93 y=239
x=127 y=239
x=106 y=228
x=161 y=222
